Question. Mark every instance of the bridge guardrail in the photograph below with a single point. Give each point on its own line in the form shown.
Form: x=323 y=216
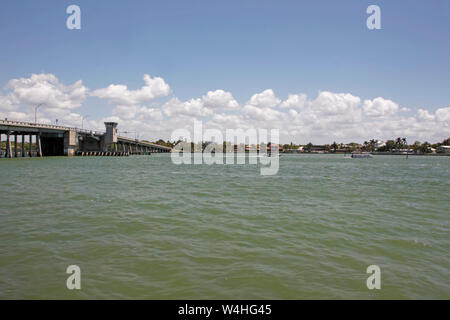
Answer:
x=49 y=126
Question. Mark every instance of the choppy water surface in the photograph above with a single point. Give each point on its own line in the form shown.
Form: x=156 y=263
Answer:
x=141 y=227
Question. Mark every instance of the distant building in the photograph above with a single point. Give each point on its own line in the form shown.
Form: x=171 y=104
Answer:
x=318 y=149
x=379 y=144
x=294 y=150
x=443 y=149
x=407 y=150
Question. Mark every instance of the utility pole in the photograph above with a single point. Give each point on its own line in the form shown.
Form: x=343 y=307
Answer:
x=35 y=112
x=407 y=148
x=82 y=118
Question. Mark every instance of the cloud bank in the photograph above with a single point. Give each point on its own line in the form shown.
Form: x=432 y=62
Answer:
x=328 y=117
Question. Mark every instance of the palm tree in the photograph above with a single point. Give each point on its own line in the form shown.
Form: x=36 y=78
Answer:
x=404 y=142
x=334 y=145
x=398 y=143
x=366 y=146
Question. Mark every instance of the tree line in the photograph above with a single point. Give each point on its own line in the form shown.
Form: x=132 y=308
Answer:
x=369 y=145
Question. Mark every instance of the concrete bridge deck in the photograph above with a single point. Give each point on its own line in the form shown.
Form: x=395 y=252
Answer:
x=39 y=139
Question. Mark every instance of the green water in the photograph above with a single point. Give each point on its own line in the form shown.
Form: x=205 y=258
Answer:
x=141 y=227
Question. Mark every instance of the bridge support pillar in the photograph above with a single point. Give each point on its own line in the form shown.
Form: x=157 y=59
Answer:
x=23 y=145
x=31 y=146
x=15 y=145
x=38 y=145
x=8 y=145
x=70 y=142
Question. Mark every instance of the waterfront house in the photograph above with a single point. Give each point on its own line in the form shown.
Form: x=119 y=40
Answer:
x=318 y=149
x=443 y=149
x=379 y=144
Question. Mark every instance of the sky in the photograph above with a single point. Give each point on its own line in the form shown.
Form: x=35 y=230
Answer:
x=311 y=69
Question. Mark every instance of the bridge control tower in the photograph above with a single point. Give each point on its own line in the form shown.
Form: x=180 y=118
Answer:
x=111 y=132
x=110 y=136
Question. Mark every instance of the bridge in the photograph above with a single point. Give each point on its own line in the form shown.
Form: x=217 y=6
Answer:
x=38 y=140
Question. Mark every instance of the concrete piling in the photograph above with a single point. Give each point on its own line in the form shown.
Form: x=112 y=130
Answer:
x=8 y=145
x=23 y=145
x=38 y=145
x=31 y=146
x=15 y=146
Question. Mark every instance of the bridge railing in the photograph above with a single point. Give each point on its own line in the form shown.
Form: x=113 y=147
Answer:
x=144 y=143
x=48 y=126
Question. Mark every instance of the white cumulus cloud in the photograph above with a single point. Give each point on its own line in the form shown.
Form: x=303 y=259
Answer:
x=443 y=115
x=335 y=104
x=380 y=107
x=219 y=99
x=265 y=99
x=47 y=90
x=119 y=94
x=193 y=107
x=295 y=101
x=9 y=102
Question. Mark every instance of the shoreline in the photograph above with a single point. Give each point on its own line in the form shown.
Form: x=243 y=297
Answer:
x=376 y=153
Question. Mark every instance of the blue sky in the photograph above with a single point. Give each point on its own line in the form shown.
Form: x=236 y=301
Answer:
x=242 y=47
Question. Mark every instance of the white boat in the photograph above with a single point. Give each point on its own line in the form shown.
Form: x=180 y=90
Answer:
x=361 y=155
